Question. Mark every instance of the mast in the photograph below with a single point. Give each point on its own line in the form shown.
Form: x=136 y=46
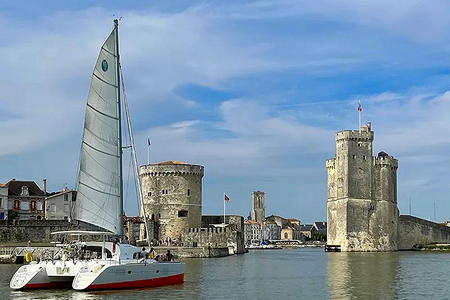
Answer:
x=116 y=28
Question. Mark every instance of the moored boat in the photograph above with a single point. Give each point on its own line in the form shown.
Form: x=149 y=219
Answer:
x=88 y=265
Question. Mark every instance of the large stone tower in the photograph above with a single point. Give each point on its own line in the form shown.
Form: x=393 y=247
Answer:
x=362 y=195
x=258 y=207
x=172 y=195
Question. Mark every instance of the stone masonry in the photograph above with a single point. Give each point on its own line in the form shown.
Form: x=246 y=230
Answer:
x=362 y=195
x=172 y=196
x=258 y=207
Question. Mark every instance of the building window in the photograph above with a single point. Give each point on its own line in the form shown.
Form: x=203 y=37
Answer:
x=182 y=213
x=286 y=236
x=24 y=191
x=66 y=197
x=189 y=192
x=1 y=202
x=354 y=156
x=66 y=208
x=32 y=205
x=53 y=208
x=364 y=157
x=16 y=204
x=39 y=217
x=149 y=194
x=164 y=192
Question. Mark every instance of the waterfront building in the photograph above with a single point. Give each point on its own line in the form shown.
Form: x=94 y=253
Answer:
x=270 y=231
x=307 y=230
x=256 y=233
x=60 y=205
x=3 y=201
x=25 y=200
x=290 y=228
x=172 y=196
x=258 y=207
x=132 y=228
x=252 y=232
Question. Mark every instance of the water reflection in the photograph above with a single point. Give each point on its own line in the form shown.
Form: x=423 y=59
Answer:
x=363 y=275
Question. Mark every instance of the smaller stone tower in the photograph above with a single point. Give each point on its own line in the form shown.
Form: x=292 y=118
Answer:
x=172 y=196
x=259 y=208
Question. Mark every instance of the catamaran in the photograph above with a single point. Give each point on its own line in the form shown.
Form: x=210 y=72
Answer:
x=101 y=264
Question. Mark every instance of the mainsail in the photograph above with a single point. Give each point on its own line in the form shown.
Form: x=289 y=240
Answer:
x=99 y=200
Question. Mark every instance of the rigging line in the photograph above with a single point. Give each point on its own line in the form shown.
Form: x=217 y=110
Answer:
x=102 y=113
x=104 y=81
x=133 y=151
x=98 y=150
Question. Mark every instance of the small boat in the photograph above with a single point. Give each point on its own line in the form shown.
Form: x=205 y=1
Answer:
x=94 y=265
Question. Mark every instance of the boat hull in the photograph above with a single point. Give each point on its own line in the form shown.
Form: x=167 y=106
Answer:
x=130 y=275
x=35 y=276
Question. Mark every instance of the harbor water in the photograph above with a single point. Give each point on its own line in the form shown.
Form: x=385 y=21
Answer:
x=286 y=274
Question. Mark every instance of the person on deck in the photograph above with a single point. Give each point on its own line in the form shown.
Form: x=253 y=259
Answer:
x=152 y=254
x=169 y=256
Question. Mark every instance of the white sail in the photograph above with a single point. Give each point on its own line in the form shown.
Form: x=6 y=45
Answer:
x=99 y=186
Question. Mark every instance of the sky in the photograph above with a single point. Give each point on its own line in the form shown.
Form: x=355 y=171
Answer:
x=252 y=90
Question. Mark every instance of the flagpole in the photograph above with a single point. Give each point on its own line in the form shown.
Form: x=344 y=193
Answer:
x=359 y=117
x=148 y=151
x=224 y=209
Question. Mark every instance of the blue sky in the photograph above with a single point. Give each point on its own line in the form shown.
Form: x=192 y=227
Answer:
x=254 y=91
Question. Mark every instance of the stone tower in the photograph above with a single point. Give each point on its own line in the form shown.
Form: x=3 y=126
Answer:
x=259 y=208
x=362 y=195
x=172 y=195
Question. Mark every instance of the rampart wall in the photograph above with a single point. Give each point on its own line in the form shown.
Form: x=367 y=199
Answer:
x=37 y=231
x=415 y=231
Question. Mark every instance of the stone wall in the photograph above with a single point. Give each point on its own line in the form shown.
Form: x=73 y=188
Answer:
x=214 y=238
x=193 y=252
x=38 y=231
x=414 y=231
x=172 y=195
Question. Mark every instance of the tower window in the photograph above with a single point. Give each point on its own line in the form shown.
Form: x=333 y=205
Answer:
x=364 y=157
x=354 y=156
x=149 y=194
x=189 y=192
x=182 y=213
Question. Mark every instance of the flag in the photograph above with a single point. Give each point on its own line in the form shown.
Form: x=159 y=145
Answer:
x=148 y=141
x=226 y=198
x=359 y=106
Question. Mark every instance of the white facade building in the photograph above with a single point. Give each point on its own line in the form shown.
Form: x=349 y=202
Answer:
x=60 y=206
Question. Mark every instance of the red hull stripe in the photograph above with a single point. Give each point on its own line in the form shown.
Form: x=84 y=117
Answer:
x=169 y=280
x=48 y=285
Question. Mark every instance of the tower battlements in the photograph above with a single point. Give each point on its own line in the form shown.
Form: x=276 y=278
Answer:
x=385 y=160
x=365 y=134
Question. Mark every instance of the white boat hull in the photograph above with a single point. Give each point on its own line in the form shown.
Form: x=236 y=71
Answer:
x=43 y=275
x=129 y=275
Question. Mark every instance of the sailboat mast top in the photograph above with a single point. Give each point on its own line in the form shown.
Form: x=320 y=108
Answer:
x=116 y=27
